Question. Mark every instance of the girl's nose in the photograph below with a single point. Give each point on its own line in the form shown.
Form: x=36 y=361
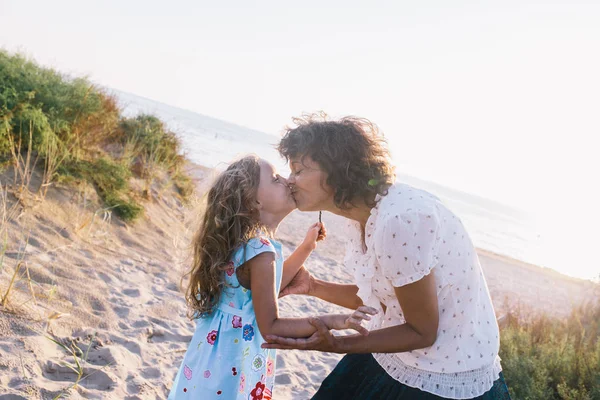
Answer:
x=291 y=179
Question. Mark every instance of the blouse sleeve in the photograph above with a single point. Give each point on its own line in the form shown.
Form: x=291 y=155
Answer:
x=406 y=246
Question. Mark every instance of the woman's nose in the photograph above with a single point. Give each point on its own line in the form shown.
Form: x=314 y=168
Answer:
x=291 y=179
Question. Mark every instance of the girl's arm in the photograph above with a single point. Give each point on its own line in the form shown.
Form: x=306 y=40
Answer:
x=292 y=264
x=264 y=299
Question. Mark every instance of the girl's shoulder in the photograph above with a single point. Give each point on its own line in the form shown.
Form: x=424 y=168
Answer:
x=253 y=247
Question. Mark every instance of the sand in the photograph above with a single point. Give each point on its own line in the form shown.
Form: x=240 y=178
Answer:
x=112 y=290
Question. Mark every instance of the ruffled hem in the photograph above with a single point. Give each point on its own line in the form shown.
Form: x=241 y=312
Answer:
x=459 y=385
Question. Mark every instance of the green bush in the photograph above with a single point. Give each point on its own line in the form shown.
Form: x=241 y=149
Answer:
x=548 y=358
x=127 y=210
x=111 y=181
x=47 y=103
x=71 y=123
x=153 y=143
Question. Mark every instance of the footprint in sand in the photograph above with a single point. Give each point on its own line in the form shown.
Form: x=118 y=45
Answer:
x=131 y=292
x=97 y=305
x=122 y=312
x=101 y=380
x=141 y=323
x=104 y=277
x=172 y=287
x=283 y=379
x=151 y=373
x=35 y=243
x=12 y=397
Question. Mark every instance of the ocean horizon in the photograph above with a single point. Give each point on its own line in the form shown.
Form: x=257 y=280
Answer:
x=495 y=227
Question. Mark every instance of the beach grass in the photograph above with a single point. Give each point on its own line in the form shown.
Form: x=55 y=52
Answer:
x=548 y=358
x=75 y=131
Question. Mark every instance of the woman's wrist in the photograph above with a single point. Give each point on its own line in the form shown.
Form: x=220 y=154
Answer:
x=348 y=344
x=314 y=286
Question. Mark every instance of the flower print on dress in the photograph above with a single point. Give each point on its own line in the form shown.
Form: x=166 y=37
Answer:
x=248 y=333
x=187 y=372
x=258 y=362
x=267 y=394
x=258 y=392
x=211 y=337
x=223 y=366
x=242 y=383
x=230 y=268
x=265 y=241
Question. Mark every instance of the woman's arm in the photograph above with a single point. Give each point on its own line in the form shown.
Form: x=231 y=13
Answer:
x=419 y=304
x=264 y=299
x=341 y=294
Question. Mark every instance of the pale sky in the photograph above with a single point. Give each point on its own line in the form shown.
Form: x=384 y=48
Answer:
x=500 y=98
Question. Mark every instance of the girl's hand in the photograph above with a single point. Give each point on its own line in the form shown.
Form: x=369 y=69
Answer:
x=350 y=321
x=316 y=233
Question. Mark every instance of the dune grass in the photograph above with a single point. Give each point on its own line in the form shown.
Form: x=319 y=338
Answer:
x=75 y=131
x=548 y=358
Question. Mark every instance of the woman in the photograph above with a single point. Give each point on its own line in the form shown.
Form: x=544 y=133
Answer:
x=436 y=335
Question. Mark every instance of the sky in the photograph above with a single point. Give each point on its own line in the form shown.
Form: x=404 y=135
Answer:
x=496 y=98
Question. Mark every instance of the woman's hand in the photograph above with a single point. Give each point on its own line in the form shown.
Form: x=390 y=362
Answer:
x=316 y=233
x=301 y=283
x=321 y=340
x=350 y=321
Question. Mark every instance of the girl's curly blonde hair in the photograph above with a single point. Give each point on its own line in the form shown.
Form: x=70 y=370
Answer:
x=229 y=219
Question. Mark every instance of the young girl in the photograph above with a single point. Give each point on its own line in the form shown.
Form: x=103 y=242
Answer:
x=235 y=278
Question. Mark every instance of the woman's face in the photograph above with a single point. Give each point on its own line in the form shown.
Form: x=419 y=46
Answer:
x=307 y=182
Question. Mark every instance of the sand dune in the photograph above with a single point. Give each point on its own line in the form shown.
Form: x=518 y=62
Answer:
x=112 y=290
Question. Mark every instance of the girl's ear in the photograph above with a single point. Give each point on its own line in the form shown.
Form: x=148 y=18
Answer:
x=258 y=205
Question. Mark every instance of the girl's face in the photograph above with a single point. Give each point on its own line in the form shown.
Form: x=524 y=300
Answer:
x=274 y=196
x=308 y=184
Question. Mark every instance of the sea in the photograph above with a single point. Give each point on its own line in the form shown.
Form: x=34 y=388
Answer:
x=493 y=226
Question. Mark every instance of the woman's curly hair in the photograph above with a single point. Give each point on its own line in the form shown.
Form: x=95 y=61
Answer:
x=230 y=218
x=352 y=152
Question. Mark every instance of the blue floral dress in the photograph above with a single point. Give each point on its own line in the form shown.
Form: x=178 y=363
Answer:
x=224 y=359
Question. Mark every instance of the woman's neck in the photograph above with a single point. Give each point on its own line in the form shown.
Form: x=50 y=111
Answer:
x=359 y=213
